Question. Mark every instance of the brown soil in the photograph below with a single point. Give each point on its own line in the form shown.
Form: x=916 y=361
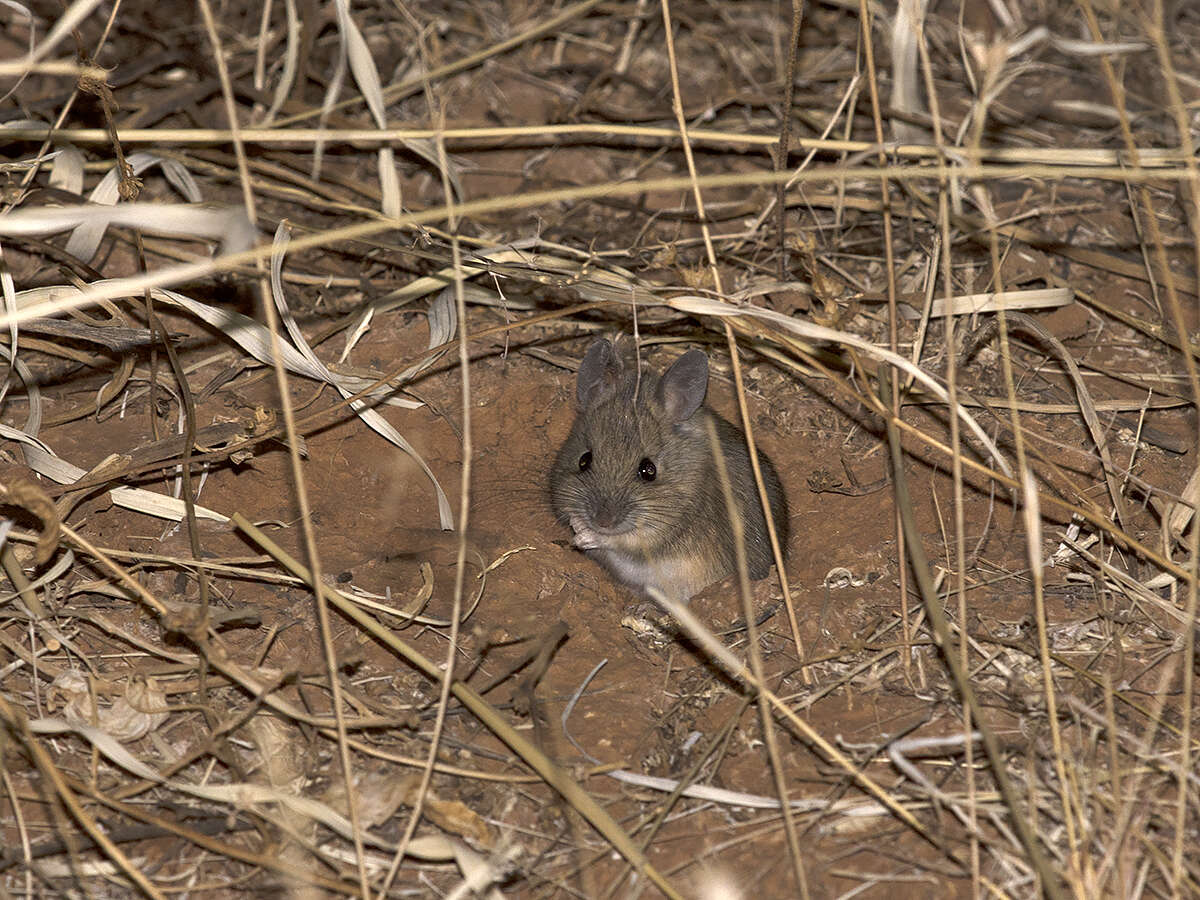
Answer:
x=659 y=699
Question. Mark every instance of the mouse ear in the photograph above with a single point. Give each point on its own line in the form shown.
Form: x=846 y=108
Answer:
x=681 y=389
x=598 y=373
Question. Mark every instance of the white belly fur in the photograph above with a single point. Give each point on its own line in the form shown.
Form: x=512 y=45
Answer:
x=678 y=577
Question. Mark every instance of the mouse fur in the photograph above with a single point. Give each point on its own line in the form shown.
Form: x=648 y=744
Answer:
x=636 y=482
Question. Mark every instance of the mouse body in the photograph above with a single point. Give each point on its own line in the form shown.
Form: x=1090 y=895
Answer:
x=637 y=484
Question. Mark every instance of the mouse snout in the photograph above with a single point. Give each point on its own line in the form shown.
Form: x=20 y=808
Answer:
x=608 y=513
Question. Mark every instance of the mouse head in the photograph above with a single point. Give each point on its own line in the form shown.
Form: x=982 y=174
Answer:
x=637 y=447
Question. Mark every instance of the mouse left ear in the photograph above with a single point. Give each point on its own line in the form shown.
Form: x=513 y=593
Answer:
x=681 y=389
x=598 y=374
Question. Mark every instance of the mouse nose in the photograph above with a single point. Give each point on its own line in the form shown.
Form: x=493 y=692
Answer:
x=608 y=514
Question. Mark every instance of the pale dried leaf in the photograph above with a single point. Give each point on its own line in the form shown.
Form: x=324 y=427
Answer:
x=907 y=95
x=249 y=335
x=8 y=290
x=281 y=752
x=378 y=796
x=140 y=710
x=969 y=304
x=389 y=184
x=449 y=815
x=1073 y=47
x=22 y=10
x=291 y=58
x=237 y=794
x=369 y=415
x=1181 y=513
x=381 y=794
x=230 y=225
x=705 y=306
x=33 y=393
x=43 y=461
x=361 y=327
x=366 y=75
x=66 y=173
x=87 y=236
x=482 y=873
x=64 y=24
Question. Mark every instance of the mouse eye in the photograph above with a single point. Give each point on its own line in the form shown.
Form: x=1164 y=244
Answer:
x=646 y=470
x=585 y=461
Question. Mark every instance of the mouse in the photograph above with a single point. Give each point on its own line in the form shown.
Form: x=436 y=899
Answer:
x=637 y=484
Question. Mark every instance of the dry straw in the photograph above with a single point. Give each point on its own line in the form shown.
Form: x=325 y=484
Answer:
x=872 y=212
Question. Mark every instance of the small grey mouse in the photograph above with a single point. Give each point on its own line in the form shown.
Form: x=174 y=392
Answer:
x=637 y=483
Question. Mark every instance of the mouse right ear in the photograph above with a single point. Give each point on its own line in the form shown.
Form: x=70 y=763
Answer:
x=598 y=373
x=682 y=387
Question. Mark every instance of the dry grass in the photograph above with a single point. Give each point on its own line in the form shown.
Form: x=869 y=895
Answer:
x=953 y=186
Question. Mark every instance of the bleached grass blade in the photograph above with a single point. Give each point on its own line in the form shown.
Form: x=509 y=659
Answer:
x=291 y=59
x=389 y=184
x=66 y=173
x=107 y=190
x=33 y=394
x=229 y=225
x=1073 y=47
x=248 y=334
x=87 y=236
x=1022 y=44
x=21 y=10
x=443 y=323
x=64 y=564
x=361 y=327
x=362 y=66
x=704 y=306
x=668 y=785
x=21 y=68
x=1181 y=513
x=10 y=306
x=238 y=794
x=443 y=318
x=514 y=252
x=969 y=304
x=242 y=330
x=67 y=22
x=42 y=460
x=327 y=102
x=1087 y=408
x=19 y=125
x=366 y=75
x=907 y=29
x=369 y=415
x=723 y=796
x=431 y=848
